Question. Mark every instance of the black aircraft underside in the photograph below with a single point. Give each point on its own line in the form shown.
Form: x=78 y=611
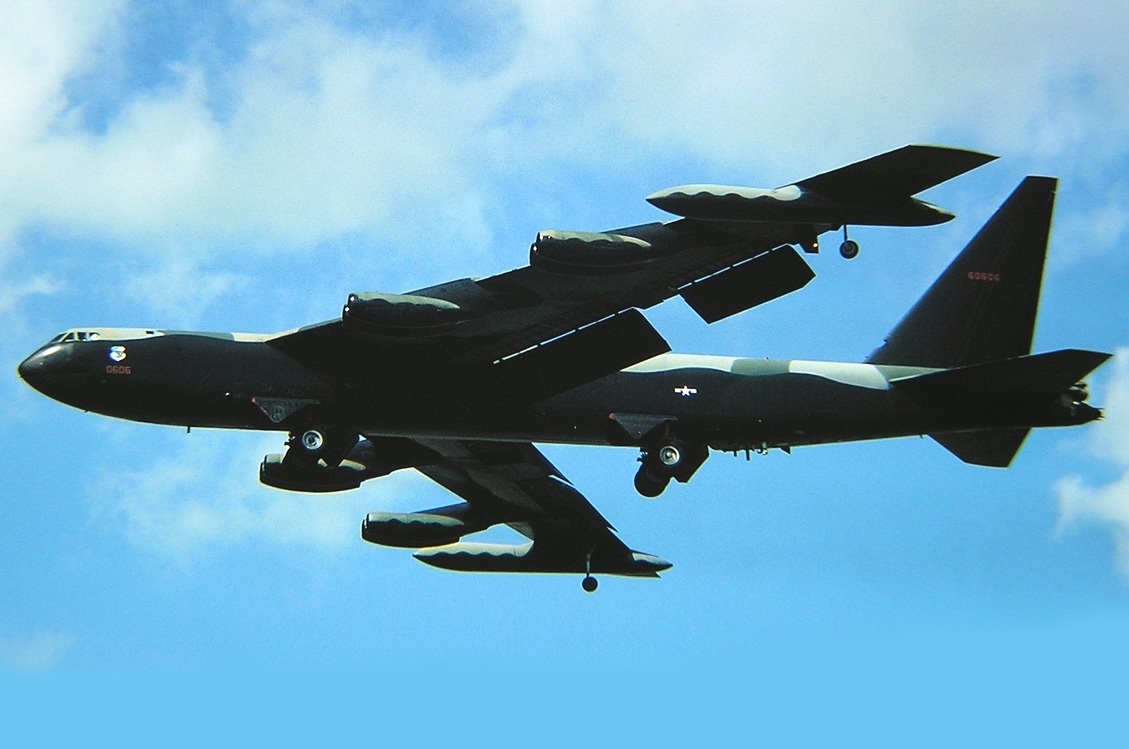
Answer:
x=458 y=380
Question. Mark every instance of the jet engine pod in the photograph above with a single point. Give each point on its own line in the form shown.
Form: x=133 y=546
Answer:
x=588 y=253
x=415 y=530
x=401 y=314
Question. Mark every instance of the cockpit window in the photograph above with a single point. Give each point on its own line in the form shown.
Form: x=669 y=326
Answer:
x=77 y=335
x=96 y=334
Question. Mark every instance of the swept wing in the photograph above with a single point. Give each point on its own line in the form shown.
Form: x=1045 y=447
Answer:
x=514 y=484
x=579 y=296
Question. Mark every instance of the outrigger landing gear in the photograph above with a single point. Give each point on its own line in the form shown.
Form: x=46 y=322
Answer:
x=589 y=583
x=850 y=248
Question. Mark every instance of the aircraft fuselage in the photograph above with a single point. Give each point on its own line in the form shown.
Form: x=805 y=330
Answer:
x=242 y=382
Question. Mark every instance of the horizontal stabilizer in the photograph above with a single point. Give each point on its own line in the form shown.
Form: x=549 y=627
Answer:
x=478 y=557
x=995 y=448
x=749 y=284
x=1049 y=374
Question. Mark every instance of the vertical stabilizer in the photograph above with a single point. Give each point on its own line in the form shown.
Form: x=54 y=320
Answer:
x=983 y=307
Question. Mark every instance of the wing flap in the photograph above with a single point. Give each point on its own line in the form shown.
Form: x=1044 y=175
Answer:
x=748 y=285
x=582 y=356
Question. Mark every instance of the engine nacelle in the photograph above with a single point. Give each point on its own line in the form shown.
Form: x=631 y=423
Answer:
x=401 y=314
x=417 y=530
x=587 y=253
x=298 y=476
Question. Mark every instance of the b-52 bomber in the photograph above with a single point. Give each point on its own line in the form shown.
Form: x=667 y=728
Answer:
x=459 y=380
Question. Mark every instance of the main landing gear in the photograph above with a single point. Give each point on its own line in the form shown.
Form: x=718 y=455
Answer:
x=672 y=459
x=327 y=444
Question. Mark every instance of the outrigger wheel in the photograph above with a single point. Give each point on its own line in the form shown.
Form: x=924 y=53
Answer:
x=850 y=248
x=589 y=583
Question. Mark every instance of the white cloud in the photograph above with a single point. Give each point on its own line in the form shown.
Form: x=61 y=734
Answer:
x=205 y=495
x=14 y=292
x=179 y=288
x=1080 y=501
x=328 y=130
x=39 y=652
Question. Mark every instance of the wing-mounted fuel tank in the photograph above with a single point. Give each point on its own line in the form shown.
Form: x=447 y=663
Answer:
x=589 y=253
x=794 y=204
x=407 y=315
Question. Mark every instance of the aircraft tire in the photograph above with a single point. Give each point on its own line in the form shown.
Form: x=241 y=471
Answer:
x=312 y=441
x=670 y=456
x=849 y=249
x=648 y=486
x=589 y=584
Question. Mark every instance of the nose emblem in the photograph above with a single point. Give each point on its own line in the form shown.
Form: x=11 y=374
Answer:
x=117 y=353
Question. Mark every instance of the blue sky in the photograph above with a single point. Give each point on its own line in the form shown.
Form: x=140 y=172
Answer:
x=246 y=165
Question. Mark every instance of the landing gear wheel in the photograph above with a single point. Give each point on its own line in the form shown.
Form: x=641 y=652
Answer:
x=328 y=443
x=670 y=456
x=649 y=486
x=849 y=249
x=312 y=441
x=589 y=584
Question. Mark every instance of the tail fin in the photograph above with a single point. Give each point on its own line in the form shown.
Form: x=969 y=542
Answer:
x=983 y=307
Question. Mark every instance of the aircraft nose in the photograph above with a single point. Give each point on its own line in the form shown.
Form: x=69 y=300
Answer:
x=45 y=364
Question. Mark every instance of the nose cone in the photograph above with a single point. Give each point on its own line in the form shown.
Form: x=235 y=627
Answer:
x=46 y=368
